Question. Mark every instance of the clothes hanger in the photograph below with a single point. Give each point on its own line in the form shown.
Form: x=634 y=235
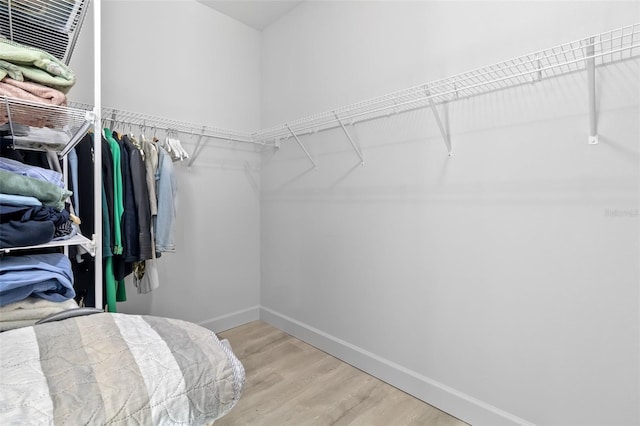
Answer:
x=167 y=144
x=183 y=152
x=178 y=147
x=142 y=137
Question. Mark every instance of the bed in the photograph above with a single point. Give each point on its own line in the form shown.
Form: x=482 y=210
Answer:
x=118 y=369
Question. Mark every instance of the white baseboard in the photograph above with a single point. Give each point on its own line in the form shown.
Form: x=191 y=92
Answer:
x=452 y=401
x=231 y=320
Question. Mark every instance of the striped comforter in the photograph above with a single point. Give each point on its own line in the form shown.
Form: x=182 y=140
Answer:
x=116 y=369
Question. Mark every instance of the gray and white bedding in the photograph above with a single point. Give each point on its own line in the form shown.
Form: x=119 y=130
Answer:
x=116 y=369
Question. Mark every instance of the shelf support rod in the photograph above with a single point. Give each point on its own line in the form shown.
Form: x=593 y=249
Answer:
x=353 y=144
x=443 y=131
x=6 y=102
x=196 y=151
x=591 y=83
x=10 y=20
x=97 y=165
x=77 y=137
x=302 y=146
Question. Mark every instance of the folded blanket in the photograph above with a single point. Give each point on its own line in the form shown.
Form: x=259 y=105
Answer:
x=48 y=193
x=23 y=117
x=29 y=63
x=30 y=310
x=30 y=91
x=47 y=276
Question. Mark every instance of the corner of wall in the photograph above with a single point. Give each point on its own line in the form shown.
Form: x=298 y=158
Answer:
x=232 y=320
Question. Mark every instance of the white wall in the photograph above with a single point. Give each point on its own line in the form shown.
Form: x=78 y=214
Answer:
x=185 y=61
x=500 y=285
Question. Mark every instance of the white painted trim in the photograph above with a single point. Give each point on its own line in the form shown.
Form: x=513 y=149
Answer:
x=446 y=398
x=231 y=320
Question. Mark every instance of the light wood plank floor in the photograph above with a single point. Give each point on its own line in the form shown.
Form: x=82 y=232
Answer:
x=292 y=383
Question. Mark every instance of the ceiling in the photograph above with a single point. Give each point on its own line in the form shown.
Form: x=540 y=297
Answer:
x=258 y=14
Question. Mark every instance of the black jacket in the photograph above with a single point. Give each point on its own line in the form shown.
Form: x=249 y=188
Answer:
x=141 y=198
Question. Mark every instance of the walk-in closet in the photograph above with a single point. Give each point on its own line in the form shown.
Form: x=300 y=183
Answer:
x=343 y=212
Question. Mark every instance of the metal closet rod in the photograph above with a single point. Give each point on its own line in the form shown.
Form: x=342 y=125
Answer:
x=145 y=121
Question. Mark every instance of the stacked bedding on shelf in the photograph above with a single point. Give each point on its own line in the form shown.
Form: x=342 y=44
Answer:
x=31 y=74
x=29 y=91
x=24 y=63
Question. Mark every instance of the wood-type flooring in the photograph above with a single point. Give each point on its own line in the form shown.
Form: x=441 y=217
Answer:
x=292 y=383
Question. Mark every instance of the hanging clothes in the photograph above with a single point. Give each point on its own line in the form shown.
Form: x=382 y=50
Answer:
x=107 y=182
x=118 y=201
x=130 y=227
x=141 y=196
x=150 y=150
x=118 y=214
x=111 y=232
x=83 y=265
x=167 y=204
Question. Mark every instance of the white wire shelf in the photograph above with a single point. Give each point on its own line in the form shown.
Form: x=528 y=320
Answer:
x=580 y=55
x=604 y=48
x=50 y=25
x=76 y=240
x=24 y=118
